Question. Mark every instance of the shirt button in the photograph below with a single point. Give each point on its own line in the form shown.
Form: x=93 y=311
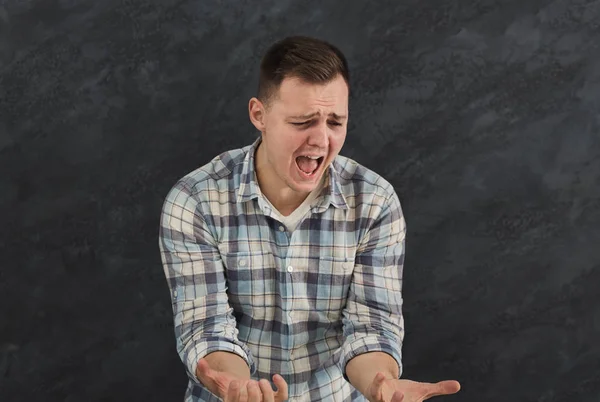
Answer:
x=242 y=263
x=175 y=293
x=290 y=268
x=281 y=228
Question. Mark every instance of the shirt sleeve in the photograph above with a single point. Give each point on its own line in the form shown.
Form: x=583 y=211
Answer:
x=203 y=318
x=373 y=319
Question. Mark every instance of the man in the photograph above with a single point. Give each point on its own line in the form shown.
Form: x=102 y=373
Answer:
x=284 y=259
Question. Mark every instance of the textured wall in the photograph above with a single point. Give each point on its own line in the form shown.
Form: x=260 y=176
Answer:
x=483 y=114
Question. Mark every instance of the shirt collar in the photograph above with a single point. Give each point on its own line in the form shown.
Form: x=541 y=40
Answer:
x=249 y=188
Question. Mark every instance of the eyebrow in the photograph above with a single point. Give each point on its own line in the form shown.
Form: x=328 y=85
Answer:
x=308 y=116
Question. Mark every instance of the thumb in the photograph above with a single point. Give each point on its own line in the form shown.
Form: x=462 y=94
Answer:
x=379 y=379
x=203 y=371
x=377 y=386
x=282 y=388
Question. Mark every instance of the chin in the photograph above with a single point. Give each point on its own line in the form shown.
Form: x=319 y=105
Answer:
x=303 y=186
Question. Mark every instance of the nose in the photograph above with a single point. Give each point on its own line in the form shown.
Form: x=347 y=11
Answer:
x=318 y=136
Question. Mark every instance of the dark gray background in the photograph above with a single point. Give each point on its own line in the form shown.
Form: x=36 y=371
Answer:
x=483 y=114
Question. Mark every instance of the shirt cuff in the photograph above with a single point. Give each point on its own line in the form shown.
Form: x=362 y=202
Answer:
x=203 y=348
x=372 y=343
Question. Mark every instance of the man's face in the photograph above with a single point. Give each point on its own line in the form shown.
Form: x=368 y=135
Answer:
x=305 y=122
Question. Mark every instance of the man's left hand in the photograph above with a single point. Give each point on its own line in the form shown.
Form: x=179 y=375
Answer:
x=385 y=389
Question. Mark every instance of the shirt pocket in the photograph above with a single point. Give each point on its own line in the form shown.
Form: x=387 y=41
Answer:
x=327 y=283
x=251 y=280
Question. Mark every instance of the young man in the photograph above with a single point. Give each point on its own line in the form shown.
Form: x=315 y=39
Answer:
x=284 y=259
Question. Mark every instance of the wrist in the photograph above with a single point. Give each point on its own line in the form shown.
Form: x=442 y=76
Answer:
x=362 y=369
x=229 y=363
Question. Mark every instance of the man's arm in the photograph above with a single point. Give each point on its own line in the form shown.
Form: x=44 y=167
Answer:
x=203 y=319
x=373 y=320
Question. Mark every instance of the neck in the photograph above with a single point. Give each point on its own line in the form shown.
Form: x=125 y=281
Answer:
x=277 y=192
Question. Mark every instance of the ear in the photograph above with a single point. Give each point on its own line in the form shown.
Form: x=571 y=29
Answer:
x=256 y=111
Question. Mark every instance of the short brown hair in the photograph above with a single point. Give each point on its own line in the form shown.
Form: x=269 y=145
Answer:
x=312 y=60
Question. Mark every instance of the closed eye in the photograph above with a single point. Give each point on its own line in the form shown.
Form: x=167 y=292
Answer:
x=335 y=123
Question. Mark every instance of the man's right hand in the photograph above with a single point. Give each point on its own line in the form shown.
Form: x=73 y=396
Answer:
x=234 y=388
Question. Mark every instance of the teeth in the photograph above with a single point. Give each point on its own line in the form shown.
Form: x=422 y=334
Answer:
x=312 y=157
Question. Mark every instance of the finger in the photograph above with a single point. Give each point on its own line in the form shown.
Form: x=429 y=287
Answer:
x=204 y=368
x=379 y=379
x=233 y=393
x=267 y=391
x=243 y=393
x=397 y=397
x=282 y=388
x=377 y=389
x=450 y=386
x=206 y=375
x=446 y=387
x=253 y=391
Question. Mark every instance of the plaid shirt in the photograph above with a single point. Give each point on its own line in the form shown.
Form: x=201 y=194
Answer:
x=299 y=304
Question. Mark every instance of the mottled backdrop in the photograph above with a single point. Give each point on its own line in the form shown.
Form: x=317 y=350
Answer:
x=485 y=115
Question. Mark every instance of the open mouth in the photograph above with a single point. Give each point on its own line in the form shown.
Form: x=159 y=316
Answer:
x=308 y=166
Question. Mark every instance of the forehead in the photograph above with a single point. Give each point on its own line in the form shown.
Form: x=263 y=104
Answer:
x=296 y=95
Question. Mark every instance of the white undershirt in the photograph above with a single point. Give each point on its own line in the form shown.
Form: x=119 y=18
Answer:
x=292 y=220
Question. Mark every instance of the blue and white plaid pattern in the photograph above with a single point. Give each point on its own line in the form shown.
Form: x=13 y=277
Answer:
x=299 y=304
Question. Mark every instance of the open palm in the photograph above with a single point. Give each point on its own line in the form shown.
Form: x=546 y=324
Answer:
x=220 y=384
x=217 y=381
x=393 y=390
